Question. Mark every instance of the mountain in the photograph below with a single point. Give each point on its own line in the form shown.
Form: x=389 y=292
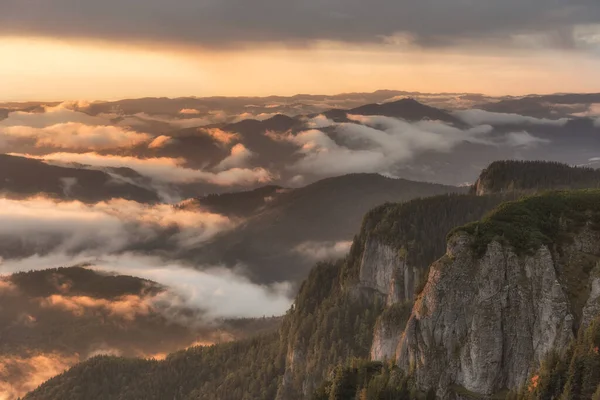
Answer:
x=544 y=106
x=25 y=177
x=236 y=204
x=410 y=313
x=315 y=335
x=52 y=319
x=282 y=240
x=511 y=289
x=288 y=105
x=509 y=176
x=407 y=109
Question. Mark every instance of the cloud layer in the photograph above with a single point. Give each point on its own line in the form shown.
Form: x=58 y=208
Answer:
x=215 y=292
x=559 y=23
x=40 y=225
x=376 y=144
x=479 y=117
x=162 y=169
x=75 y=136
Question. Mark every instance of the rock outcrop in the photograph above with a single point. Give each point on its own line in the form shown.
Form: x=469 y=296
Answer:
x=384 y=269
x=483 y=323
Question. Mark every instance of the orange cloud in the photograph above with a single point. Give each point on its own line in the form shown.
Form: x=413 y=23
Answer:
x=189 y=111
x=6 y=286
x=239 y=156
x=160 y=141
x=163 y=169
x=220 y=135
x=22 y=374
x=127 y=307
x=78 y=136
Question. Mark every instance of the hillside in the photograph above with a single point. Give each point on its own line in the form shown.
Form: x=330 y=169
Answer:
x=52 y=319
x=317 y=216
x=23 y=177
x=407 y=109
x=325 y=300
x=532 y=176
x=236 y=204
x=428 y=326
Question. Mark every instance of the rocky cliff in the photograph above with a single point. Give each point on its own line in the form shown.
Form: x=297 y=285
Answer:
x=384 y=268
x=509 y=290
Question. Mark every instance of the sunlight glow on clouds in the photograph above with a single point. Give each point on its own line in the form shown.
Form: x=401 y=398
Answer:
x=76 y=136
x=163 y=169
x=41 y=224
x=49 y=70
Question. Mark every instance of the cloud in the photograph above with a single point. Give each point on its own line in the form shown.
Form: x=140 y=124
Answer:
x=592 y=110
x=125 y=307
x=319 y=122
x=67 y=185
x=40 y=225
x=322 y=251
x=216 y=292
x=190 y=111
x=31 y=371
x=220 y=292
x=325 y=157
x=479 y=117
x=161 y=169
x=160 y=141
x=76 y=136
x=229 y=23
x=258 y=117
x=6 y=287
x=524 y=139
x=220 y=135
x=143 y=119
x=50 y=116
x=239 y=157
x=376 y=144
x=209 y=118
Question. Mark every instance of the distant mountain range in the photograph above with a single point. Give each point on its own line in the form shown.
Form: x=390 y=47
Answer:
x=359 y=325
x=54 y=318
x=23 y=177
x=293 y=228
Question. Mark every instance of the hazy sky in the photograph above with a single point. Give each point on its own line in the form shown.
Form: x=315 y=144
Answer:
x=90 y=49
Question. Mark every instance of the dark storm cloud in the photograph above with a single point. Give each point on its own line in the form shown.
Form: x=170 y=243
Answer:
x=220 y=23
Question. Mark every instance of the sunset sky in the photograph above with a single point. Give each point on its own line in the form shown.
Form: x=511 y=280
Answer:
x=73 y=49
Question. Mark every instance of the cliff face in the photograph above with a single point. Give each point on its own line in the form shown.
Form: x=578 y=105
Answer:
x=484 y=323
x=510 y=288
x=384 y=269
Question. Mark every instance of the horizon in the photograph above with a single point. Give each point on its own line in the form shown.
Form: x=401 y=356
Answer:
x=332 y=94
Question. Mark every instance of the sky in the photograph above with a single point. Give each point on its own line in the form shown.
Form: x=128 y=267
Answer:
x=110 y=49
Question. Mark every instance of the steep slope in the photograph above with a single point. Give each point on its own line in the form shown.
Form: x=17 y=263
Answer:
x=245 y=370
x=317 y=216
x=236 y=204
x=342 y=309
x=510 y=289
x=22 y=177
x=333 y=318
x=52 y=319
x=462 y=339
x=511 y=176
x=572 y=374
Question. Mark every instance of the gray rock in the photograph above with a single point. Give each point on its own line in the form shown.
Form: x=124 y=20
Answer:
x=485 y=323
